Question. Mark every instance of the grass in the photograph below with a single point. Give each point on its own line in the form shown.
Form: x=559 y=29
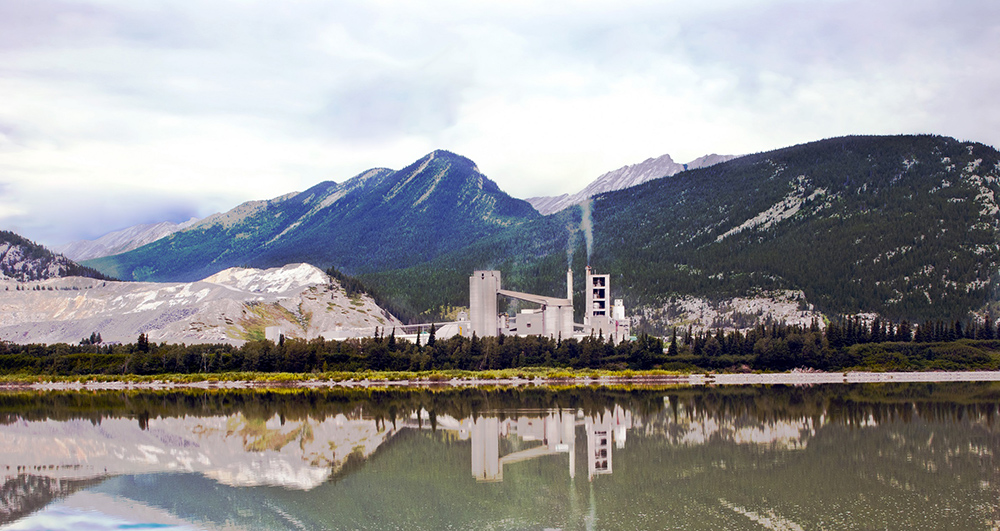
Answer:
x=285 y=378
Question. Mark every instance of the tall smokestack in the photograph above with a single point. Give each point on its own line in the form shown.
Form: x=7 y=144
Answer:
x=569 y=284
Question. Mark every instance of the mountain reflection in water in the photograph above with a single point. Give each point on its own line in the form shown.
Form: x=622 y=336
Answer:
x=894 y=456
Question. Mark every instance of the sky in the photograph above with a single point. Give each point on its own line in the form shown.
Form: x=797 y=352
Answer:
x=120 y=112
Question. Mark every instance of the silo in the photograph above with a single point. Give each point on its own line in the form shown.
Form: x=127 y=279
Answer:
x=483 y=289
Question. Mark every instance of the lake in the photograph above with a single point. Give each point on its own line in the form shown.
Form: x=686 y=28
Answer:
x=782 y=457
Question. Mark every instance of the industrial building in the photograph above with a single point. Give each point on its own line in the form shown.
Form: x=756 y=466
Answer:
x=554 y=317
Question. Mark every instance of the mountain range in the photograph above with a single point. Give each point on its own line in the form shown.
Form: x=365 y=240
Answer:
x=377 y=220
x=904 y=226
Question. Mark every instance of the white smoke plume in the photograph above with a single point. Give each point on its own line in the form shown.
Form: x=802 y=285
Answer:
x=586 y=225
x=570 y=245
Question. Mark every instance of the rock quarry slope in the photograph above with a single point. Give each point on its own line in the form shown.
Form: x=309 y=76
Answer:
x=232 y=306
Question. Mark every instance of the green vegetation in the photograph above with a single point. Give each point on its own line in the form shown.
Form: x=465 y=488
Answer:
x=378 y=220
x=900 y=226
x=848 y=403
x=843 y=345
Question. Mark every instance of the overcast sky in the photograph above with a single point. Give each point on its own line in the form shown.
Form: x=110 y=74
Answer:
x=118 y=112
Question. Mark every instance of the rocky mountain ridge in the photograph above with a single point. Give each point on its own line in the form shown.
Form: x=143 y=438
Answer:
x=380 y=218
x=136 y=236
x=25 y=261
x=900 y=226
x=622 y=178
x=121 y=241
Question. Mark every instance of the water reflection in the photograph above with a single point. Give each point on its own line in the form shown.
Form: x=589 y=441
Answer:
x=554 y=431
x=896 y=456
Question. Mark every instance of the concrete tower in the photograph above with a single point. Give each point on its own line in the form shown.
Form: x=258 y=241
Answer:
x=597 y=314
x=484 y=286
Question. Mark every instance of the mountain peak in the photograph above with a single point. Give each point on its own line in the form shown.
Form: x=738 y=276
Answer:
x=436 y=204
x=624 y=177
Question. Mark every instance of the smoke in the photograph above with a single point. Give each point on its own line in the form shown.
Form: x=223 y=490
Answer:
x=586 y=225
x=570 y=245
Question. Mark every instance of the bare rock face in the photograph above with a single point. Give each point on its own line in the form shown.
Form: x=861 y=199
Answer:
x=624 y=177
x=18 y=262
x=24 y=260
x=232 y=306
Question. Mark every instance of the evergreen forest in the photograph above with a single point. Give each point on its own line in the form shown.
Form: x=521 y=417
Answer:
x=845 y=344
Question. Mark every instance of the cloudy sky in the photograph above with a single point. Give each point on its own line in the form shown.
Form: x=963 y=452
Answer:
x=117 y=112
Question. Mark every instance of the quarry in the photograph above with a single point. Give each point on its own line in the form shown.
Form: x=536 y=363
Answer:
x=232 y=306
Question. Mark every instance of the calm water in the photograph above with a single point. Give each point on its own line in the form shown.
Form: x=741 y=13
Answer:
x=902 y=456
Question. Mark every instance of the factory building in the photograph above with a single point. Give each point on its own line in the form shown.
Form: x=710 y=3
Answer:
x=554 y=317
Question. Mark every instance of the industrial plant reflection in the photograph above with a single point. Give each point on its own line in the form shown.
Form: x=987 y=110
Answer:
x=553 y=431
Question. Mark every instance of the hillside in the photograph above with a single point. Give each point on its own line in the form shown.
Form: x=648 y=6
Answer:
x=121 y=241
x=231 y=306
x=378 y=220
x=904 y=226
x=624 y=177
x=24 y=260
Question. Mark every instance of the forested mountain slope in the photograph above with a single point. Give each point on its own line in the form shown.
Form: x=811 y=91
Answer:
x=902 y=226
x=905 y=226
x=378 y=220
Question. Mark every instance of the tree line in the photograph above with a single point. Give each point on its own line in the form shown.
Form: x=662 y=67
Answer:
x=844 y=343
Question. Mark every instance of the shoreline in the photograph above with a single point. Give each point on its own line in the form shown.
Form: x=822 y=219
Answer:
x=701 y=379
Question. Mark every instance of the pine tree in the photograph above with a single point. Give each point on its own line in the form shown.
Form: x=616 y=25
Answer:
x=672 y=351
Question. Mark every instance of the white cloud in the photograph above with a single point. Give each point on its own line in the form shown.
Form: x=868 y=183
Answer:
x=212 y=103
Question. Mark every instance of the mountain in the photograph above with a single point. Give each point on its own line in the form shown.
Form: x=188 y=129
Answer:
x=232 y=306
x=121 y=241
x=903 y=226
x=24 y=260
x=624 y=177
x=378 y=220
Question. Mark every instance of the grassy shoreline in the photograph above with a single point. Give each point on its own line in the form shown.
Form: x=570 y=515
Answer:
x=532 y=376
